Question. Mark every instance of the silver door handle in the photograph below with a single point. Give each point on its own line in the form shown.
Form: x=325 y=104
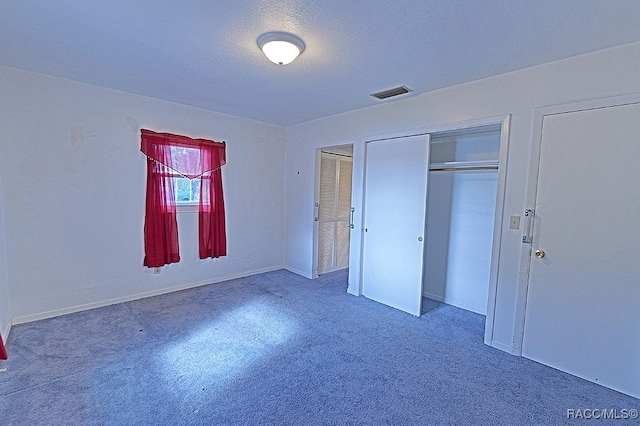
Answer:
x=527 y=238
x=351 y=225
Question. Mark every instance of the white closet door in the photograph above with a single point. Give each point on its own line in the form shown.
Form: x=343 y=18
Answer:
x=395 y=208
x=582 y=313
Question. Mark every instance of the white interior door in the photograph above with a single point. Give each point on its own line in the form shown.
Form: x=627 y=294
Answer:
x=582 y=312
x=394 y=221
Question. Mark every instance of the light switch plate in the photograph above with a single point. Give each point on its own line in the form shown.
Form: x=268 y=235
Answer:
x=514 y=222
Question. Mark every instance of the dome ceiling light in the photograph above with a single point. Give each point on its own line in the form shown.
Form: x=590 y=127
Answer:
x=281 y=48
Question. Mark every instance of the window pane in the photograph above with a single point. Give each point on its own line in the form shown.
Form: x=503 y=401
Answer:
x=187 y=190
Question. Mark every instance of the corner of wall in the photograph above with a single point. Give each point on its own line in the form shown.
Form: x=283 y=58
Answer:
x=298 y=272
x=5 y=331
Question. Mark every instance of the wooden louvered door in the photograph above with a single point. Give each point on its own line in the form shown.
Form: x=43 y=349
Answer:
x=333 y=212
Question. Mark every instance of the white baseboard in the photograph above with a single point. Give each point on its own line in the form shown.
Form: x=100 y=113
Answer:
x=298 y=272
x=503 y=347
x=455 y=303
x=129 y=298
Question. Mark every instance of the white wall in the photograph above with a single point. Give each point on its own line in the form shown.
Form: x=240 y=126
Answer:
x=605 y=73
x=73 y=195
x=460 y=214
x=5 y=316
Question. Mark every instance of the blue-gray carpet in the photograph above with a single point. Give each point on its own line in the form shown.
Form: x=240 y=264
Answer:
x=278 y=349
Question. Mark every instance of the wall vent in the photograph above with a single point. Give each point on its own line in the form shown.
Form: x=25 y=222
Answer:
x=391 y=92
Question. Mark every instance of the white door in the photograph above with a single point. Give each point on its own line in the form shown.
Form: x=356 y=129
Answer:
x=394 y=221
x=583 y=303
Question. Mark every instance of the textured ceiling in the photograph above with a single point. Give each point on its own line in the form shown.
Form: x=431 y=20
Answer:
x=203 y=53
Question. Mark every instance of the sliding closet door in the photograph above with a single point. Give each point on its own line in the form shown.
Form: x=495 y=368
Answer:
x=394 y=220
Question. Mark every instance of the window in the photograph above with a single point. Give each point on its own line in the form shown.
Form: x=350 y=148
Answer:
x=187 y=191
x=181 y=170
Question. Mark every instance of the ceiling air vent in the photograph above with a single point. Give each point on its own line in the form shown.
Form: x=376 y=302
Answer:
x=391 y=92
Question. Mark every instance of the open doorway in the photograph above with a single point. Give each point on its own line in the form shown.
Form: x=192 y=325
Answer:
x=334 y=167
x=461 y=210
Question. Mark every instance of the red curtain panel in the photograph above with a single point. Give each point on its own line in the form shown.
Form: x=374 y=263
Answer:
x=211 y=217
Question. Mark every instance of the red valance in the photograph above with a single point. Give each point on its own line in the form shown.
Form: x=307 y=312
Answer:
x=199 y=157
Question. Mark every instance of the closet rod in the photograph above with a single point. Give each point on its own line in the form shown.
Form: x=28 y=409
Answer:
x=453 y=169
x=464 y=165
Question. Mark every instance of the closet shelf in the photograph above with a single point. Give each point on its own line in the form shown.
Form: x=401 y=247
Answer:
x=464 y=165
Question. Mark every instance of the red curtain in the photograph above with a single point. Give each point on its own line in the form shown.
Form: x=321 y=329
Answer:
x=3 y=351
x=211 y=218
x=168 y=155
x=160 y=224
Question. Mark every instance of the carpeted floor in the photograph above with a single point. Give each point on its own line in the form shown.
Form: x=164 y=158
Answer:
x=278 y=349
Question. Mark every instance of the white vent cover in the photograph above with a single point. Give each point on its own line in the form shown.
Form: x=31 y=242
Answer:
x=391 y=92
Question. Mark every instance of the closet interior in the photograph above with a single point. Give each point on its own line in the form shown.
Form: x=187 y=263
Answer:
x=461 y=205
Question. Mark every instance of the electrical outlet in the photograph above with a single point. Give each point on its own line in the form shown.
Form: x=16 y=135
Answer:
x=514 y=222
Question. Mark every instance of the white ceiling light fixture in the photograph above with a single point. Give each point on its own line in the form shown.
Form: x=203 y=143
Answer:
x=281 y=48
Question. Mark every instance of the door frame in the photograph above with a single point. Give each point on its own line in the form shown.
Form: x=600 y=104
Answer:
x=316 y=201
x=532 y=190
x=357 y=200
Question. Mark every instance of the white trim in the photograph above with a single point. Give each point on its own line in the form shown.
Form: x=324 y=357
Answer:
x=191 y=207
x=356 y=238
x=298 y=272
x=532 y=189
x=440 y=128
x=335 y=156
x=503 y=347
x=316 y=214
x=494 y=269
x=587 y=104
x=85 y=307
x=449 y=301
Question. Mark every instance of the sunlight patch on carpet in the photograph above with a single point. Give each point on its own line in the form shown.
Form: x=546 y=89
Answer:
x=226 y=348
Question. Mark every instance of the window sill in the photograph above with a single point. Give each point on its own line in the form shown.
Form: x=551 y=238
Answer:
x=187 y=207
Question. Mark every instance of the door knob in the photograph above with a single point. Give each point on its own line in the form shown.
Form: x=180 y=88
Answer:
x=539 y=253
